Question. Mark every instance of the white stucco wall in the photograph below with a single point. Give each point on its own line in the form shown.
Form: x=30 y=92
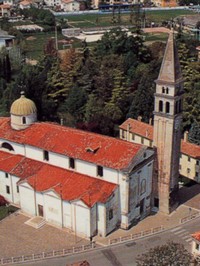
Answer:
x=81 y=219
x=187 y=166
x=16 y=197
x=18 y=148
x=135 y=138
x=6 y=181
x=101 y=219
x=53 y=208
x=27 y=199
x=67 y=214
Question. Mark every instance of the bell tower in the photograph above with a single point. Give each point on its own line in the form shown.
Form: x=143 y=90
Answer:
x=167 y=128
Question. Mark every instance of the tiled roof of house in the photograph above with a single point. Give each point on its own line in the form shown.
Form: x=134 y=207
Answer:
x=144 y=129
x=196 y=236
x=25 y=3
x=71 y=185
x=138 y=127
x=190 y=149
x=109 y=152
x=68 y=1
x=5 y=6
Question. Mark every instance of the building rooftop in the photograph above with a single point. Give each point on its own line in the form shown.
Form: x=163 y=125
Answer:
x=138 y=127
x=196 y=236
x=67 y=184
x=98 y=149
x=170 y=71
x=146 y=131
x=23 y=106
x=71 y=185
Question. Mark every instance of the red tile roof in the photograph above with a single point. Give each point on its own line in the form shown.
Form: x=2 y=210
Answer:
x=5 y=6
x=138 y=127
x=9 y=161
x=142 y=128
x=26 y=167
x=71 y=185
x=196 y=236
x=109 y=152
x=190 y=149
x=18 y=165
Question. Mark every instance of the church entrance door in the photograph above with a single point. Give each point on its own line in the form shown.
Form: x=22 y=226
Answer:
x=40 y=210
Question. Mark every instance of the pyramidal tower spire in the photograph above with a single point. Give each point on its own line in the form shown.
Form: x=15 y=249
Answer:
x=167 y=128
x=170 y=71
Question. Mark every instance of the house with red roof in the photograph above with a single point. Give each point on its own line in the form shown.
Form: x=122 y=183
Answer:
x=139 y=132
x=86 y=182
x=196 y=244
x=70 y=5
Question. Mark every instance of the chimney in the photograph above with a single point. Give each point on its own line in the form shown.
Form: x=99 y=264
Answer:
x=139 y=118
x=150 y=121
x=186 y=136
x=61 y=121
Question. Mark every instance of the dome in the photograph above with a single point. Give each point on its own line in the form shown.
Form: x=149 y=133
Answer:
x=23 y=106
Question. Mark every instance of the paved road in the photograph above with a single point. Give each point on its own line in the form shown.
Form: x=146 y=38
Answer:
x=125 y=254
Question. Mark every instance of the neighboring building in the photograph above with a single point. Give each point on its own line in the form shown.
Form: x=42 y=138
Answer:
x=25 y=4
x=70 y=5
x=5 y=10
x=196 y=244
x=165 y=3
x=139 y=132
x=67 y=175
x=6 y=40
x=8 y=2
x=52 y=2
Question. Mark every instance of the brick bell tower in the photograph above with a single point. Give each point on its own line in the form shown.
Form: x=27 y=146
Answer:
x=167 y=129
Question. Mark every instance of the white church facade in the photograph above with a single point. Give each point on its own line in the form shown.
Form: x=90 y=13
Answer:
x=82 y=181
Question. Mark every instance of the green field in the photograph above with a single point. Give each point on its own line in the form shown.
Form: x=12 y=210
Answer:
x=34 y=42
x=101 y=20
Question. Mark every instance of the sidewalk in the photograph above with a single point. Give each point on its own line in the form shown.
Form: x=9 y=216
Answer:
x=190 y=204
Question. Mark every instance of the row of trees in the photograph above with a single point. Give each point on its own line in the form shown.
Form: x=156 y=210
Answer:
x=97 y=89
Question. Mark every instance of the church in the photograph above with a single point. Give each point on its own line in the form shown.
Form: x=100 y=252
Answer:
x=89 y=183
x=85 y=182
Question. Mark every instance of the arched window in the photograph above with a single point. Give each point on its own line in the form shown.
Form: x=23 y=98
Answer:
x=176 y=107
x=163 y=90
x=167 y=90
x=23 y=120
x=7 y=146
x=143 y=186
x=160 y=106
x=167 y=107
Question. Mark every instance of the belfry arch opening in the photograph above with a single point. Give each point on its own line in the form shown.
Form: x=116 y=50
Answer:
x=7 y=146
x=160 y=106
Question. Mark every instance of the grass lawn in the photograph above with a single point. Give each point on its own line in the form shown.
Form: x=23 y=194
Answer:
x=5 y=211
x=156 y=37
x=34 y=43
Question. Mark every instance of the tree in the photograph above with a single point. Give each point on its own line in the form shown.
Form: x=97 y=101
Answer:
x=170 y=254
x=194 y=133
